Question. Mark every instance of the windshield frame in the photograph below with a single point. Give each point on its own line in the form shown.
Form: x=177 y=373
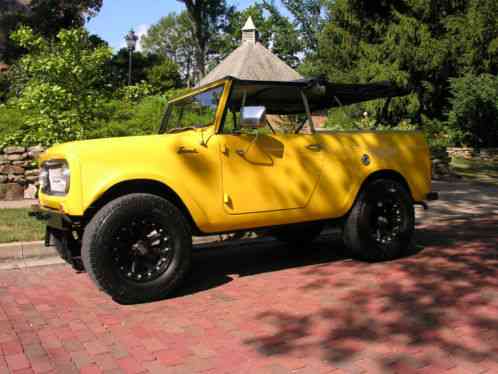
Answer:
x=226 y=84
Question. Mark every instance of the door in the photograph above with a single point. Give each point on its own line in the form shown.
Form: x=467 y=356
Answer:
x=269 y=172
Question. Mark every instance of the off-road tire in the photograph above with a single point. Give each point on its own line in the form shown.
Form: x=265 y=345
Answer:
x=297 y=235
x=358 y=228
x=98 y=257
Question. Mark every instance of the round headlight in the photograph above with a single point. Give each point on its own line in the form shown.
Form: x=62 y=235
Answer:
x=55 y=177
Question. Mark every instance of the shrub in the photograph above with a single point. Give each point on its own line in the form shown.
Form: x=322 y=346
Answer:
x=59 y=85
x=473 y=118
x=125 y=118
x=164 y=76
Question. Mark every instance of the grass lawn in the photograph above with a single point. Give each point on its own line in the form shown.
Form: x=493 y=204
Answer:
x=16 y=225
x=476 y=170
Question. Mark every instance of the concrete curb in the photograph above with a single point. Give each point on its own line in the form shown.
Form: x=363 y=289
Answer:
x=24 y=250
x=22 y=255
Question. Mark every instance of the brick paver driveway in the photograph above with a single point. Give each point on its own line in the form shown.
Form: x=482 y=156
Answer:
x=267 y=308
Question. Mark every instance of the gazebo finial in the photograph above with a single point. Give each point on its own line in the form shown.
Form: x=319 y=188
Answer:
x=249 y=32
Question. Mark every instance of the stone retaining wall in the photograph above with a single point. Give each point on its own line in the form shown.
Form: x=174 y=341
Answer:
x=441 y=168
x=18 y=172
x=483 y=154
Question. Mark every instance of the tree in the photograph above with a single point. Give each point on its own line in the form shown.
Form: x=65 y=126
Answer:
x=285 y=41
x=59 y=84
x=275 y=32
x=309 y=19
x=209 y=17
x=421 y=43
x=117 y=67
x=172 y=38
x=45 y=17
x=164 y=76
x=48 y=17
x=473 y=118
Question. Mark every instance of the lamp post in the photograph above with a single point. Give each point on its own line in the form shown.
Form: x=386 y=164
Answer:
x=131 y=42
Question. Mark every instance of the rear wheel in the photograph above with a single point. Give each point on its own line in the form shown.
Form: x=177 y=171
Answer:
x=381 y=224
x=137 y=248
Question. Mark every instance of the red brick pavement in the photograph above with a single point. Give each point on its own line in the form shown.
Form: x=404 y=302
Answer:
x=267 y=308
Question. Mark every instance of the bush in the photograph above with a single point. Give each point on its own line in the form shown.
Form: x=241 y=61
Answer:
x=4 y=87
x=164 y=77
x=125 y=118
x=473 y=118
x=11 y=123
x=59 y=85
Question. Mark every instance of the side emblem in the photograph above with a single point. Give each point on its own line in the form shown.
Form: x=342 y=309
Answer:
x=365 y=159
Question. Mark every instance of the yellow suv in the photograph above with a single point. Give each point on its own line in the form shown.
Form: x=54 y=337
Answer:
x=231 y=156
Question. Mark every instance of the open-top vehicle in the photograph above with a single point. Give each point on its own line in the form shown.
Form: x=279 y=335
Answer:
x=231 y=156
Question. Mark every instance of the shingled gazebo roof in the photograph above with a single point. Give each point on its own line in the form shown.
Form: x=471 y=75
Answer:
x=252 y=61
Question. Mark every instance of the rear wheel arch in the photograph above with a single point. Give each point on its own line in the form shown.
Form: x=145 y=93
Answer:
x=141 y=186
x=386 y=174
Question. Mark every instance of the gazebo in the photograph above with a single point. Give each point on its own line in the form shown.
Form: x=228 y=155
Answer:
x=252 y=61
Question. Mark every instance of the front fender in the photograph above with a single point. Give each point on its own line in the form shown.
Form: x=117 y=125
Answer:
x=92 y=193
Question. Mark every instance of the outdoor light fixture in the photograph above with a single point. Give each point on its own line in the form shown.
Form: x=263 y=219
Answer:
x=131 y=42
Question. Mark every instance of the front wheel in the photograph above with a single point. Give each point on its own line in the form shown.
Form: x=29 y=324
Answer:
x=381 y=223
x=137 y=248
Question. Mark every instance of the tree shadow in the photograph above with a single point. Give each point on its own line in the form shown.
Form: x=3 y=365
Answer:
x=430 y=309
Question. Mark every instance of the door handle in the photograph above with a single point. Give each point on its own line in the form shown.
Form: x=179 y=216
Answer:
x=314 y=147
x=184 y=150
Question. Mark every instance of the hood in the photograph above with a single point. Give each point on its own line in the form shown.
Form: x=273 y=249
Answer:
x=120 y=149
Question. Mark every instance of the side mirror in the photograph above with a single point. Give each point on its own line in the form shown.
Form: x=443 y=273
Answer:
x=252 y=117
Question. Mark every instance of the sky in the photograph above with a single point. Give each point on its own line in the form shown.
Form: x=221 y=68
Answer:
x=117 y=17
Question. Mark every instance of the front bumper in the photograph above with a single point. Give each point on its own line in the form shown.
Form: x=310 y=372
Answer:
x=53 y=219
x=60 y=232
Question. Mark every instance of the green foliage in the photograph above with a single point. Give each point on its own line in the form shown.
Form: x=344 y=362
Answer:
x=209 y=18
x=164 y=76
x=172 y=38
x=116 y=70
x=417 y=42
x=59 y=86
x=125 y=118
x=309 y=21
x=45 y=17
x=276 y=32
x=134 y=93
x=474 y=112
x=4 y=87
x=11 y=120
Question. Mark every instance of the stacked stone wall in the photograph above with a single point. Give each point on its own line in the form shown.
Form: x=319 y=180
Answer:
x=19 y=172
x=483 y=154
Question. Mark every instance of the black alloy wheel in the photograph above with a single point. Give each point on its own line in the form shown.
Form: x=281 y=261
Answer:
x=143 y=249
x=381 y=223
x=137 y=248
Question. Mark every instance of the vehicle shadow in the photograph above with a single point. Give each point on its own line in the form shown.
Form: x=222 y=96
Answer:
x=216 y=265
x=213 y=266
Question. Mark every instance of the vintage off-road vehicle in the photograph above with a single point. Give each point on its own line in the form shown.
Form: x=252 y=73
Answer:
x=231 y=156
